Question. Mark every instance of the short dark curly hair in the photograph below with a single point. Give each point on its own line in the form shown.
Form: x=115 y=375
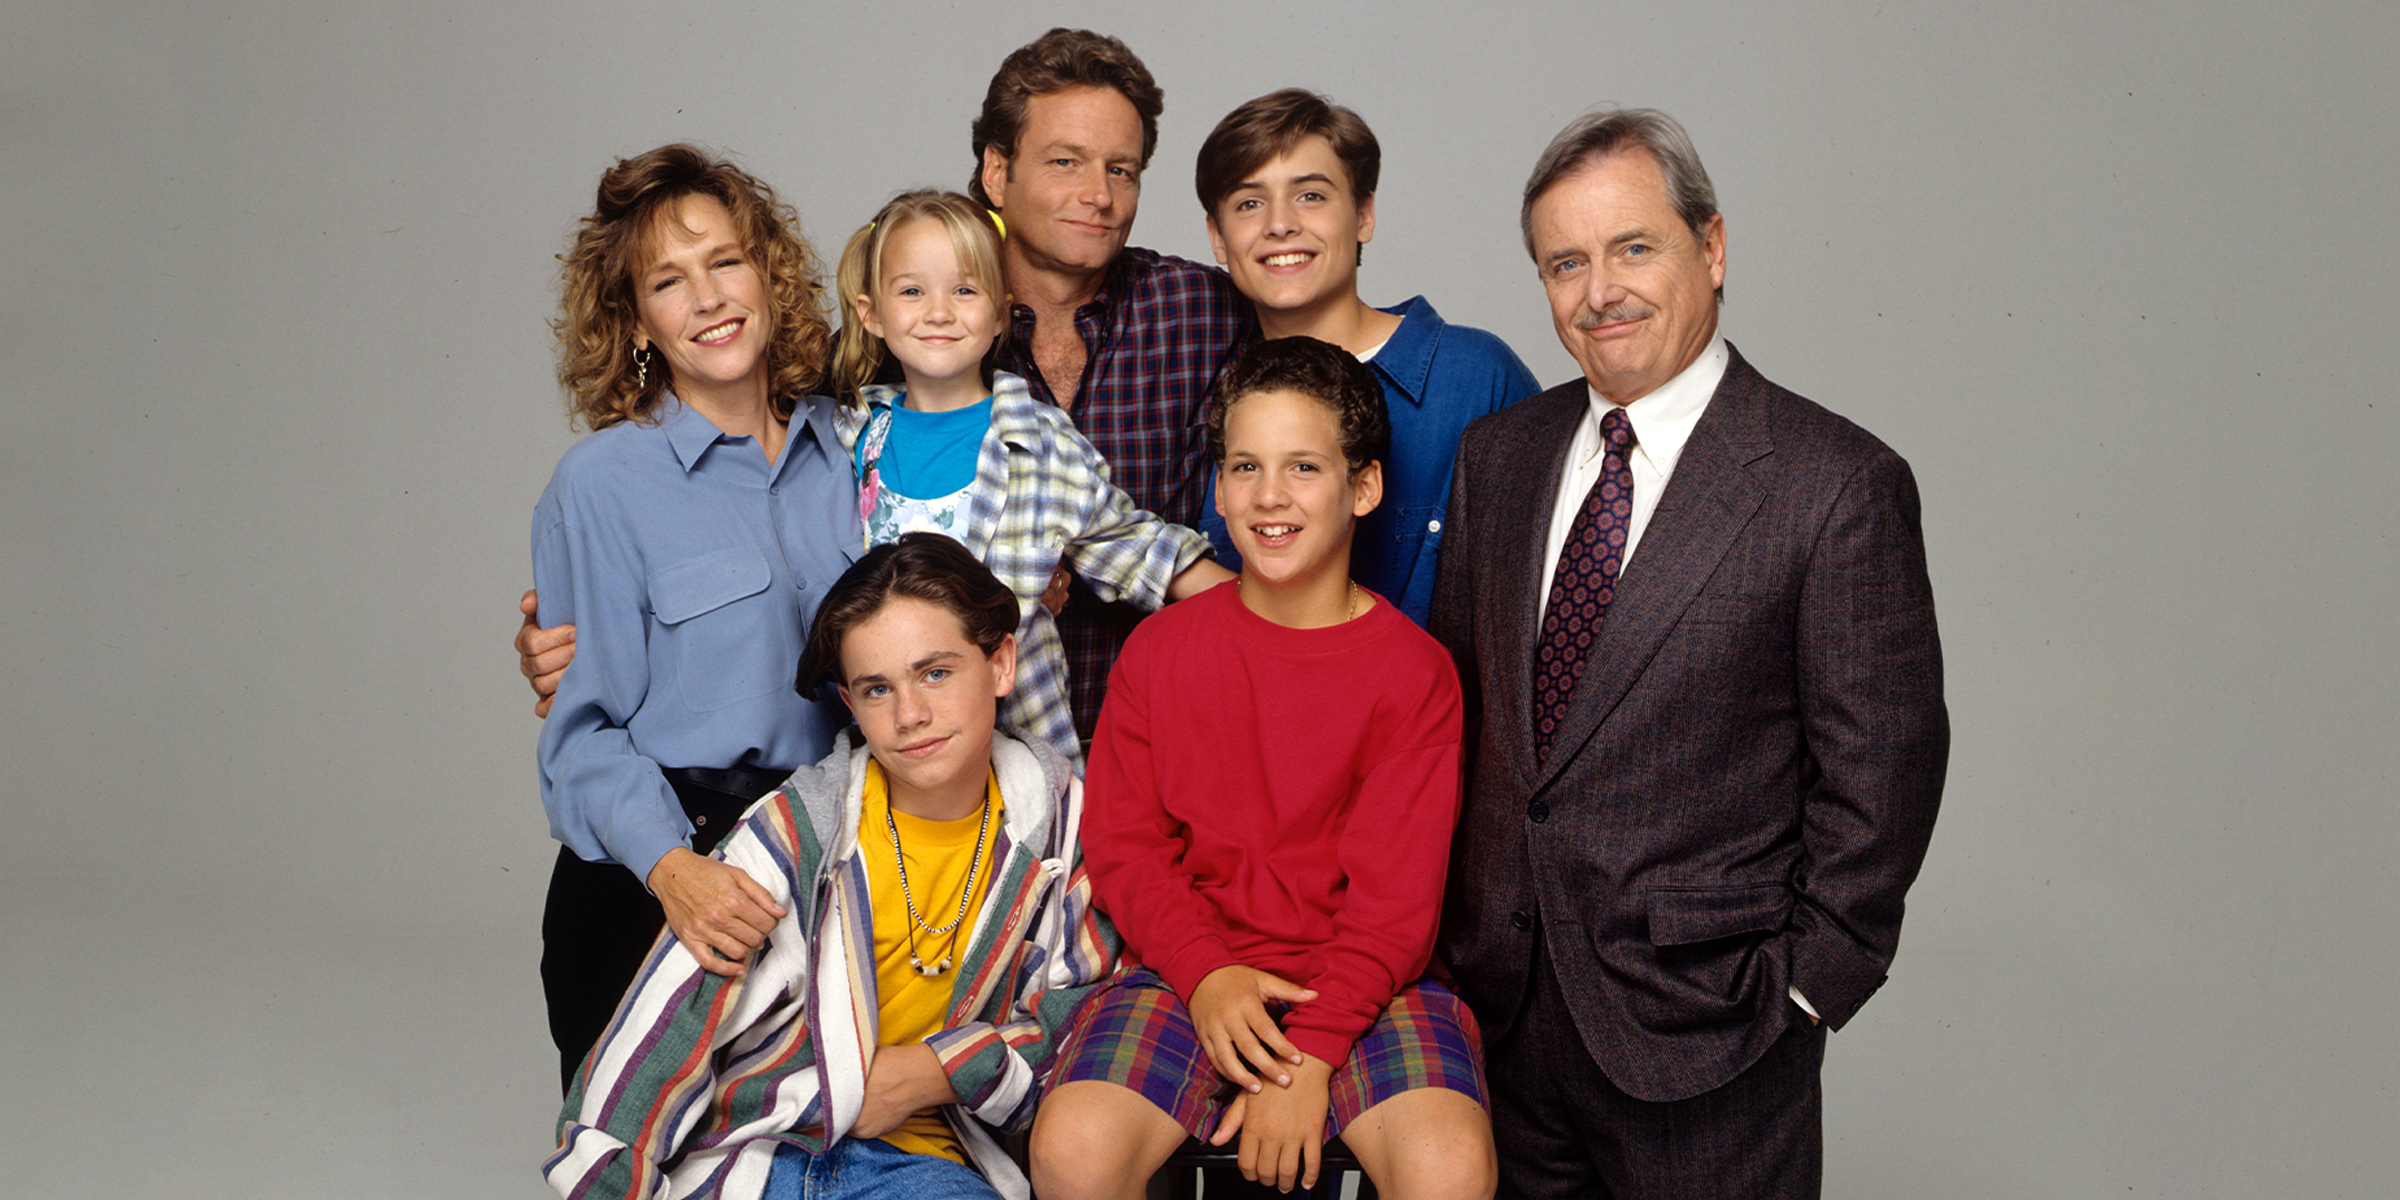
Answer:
x=1321 y=371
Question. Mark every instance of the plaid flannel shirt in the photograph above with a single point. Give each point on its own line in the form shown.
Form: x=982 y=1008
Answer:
x=1041 y=496
x=1155 y=340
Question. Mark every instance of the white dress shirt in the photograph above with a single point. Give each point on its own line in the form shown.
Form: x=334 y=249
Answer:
x=1662 y=423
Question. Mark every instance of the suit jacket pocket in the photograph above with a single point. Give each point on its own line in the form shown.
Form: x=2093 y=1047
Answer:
x=1685 y=916
x=1710 y=957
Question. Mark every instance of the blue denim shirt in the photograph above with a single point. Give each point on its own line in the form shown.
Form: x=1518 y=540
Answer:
x=691 y=567
x=1436 y=378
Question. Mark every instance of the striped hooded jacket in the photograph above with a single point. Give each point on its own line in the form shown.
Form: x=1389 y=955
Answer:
x=699 y=1077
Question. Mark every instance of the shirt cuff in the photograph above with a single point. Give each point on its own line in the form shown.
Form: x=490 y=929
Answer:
x=1805 y=1006
x=1192 y=964
x=642 y=858
x=1323 y=1044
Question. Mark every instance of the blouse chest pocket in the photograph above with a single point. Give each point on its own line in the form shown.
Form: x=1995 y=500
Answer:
x=724 y=634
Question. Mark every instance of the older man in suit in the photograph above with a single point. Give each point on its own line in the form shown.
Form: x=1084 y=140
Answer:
x=1705 y=728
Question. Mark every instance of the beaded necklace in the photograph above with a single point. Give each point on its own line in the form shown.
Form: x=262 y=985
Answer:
x=965 y=892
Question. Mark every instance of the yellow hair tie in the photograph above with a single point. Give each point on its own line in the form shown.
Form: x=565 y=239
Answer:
x=997 y=223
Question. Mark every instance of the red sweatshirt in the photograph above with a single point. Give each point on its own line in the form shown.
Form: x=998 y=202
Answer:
x=1277 y=798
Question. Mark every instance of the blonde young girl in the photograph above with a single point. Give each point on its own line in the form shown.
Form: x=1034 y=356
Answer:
x=962 y=449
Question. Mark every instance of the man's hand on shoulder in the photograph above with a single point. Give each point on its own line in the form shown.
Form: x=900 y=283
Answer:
x=542 y=654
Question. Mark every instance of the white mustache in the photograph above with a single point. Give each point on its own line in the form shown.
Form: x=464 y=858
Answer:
x=1590 y=321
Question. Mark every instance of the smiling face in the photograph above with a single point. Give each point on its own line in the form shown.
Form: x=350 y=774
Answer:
x=1288 y=498
x=933 y=317
x=1070 y=190
x=926 y=698
x=1289 y=232
x=1632 y=289
x=703 y=304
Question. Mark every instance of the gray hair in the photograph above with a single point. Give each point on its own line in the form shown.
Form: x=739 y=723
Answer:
x=1599 y=134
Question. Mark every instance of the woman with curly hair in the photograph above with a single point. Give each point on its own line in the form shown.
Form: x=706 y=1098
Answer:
x=688 y=539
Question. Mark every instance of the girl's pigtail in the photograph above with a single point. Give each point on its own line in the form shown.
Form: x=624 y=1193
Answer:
x=857 y=354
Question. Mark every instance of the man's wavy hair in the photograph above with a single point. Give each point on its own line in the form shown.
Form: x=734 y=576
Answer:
x=1595 y=136
x=596 y=365
x=1058 y=60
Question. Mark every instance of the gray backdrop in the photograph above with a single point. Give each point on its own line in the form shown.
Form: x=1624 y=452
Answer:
x=2115 y=278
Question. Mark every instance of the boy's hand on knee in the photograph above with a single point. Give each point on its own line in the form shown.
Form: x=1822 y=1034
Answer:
x=1283 y=1129
x=1229 y=1009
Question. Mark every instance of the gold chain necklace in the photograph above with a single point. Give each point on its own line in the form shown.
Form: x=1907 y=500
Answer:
x=965 y=892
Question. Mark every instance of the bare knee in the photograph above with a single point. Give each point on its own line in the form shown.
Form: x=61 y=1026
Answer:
x=1443 y=1167
x=1068 y=1159
x=1467 y=1171
x=1428 y=1144
x=1098 y=1141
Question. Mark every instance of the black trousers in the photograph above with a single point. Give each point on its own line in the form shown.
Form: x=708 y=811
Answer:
x=600 y=920
x=1564 y=1130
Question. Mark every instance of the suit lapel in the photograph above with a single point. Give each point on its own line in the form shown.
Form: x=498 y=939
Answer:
x=1708 y=500
x=1520 y=517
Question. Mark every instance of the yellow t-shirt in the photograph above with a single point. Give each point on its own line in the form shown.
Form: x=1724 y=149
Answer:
x=914 y=1004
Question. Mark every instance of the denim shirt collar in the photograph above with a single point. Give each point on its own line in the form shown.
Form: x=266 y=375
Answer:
x=1407 y=356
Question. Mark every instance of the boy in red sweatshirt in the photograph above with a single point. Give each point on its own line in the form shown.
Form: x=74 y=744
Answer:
x=1269 y=805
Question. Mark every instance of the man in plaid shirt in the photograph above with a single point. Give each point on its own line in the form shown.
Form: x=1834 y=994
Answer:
x=1128 y=341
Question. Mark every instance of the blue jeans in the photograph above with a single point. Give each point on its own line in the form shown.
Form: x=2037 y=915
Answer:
x=871 y=1167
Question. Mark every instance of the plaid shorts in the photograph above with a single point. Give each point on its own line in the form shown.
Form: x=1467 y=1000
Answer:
x=1137 y=1034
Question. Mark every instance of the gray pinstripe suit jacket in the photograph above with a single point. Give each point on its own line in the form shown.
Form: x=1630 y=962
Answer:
x=1746 y=780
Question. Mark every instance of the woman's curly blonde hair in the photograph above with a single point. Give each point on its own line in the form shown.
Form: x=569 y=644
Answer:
x=596 y=365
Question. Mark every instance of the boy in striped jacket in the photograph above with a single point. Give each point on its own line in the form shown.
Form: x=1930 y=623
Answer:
x=937 y=935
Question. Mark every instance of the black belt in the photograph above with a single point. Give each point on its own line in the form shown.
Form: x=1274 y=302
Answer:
x=714 y=798
x=747 y=782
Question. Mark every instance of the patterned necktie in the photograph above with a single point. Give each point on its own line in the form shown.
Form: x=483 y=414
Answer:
x=1585 y=582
